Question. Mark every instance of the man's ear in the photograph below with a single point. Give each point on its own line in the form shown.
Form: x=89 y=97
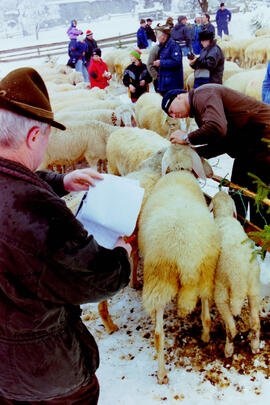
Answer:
x=32 y=136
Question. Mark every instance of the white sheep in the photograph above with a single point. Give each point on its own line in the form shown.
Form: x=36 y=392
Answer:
x=81 y=140
x=247 y=82
x=180 y=245
x=149 y=115
x=237 y=276
x=120 y=116
x=126 y=149
x=92 y=104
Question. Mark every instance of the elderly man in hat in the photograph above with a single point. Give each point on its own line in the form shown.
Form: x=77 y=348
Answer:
x=170 y=75
x=49 y=265
x=229 y=122
x=182 y=34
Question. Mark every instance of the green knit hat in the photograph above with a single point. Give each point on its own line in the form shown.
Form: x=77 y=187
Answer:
x=136 y=53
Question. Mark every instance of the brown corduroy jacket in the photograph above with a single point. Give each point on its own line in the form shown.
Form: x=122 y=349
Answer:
x=229 y=122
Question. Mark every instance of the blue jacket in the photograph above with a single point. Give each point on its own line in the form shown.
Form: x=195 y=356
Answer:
x=222 y=18
x=171 y=68
x=266 y=86
x=142 y=38
x=196 y=44
x=209 y=27
x=182 y=34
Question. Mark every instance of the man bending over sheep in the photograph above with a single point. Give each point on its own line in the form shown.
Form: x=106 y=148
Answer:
x=229 y=122
x=49 y=266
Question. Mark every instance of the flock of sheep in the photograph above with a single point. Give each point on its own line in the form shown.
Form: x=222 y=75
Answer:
x=188 y=253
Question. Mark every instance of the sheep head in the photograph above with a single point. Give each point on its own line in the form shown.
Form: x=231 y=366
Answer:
x=182 y=157
x=223 y=205
x=175 y=158
x=125 y=113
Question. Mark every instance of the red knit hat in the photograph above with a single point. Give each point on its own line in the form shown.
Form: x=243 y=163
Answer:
x=136 y=53
x=89 y=32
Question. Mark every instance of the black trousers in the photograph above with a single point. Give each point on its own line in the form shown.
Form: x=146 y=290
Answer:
x=86 y=395
x=260 y=166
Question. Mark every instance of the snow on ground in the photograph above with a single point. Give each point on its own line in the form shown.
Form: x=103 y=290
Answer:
x=197 y=372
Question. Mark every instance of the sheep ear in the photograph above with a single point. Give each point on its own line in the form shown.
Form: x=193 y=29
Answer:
x=207 y=168
x=197 y=164
x=165 y=163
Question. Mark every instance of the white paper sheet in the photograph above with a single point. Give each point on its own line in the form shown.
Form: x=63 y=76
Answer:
x=111 y=209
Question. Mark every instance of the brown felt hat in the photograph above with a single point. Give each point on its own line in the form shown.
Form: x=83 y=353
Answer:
x=23 y=91
x=166 y=29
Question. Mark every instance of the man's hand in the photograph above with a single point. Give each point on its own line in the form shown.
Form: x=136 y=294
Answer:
x=121 y=243
x=142 y=82
x=156 y=63
x=80 y=180
x=132 y=88
x=191 y=62
x=177 y=137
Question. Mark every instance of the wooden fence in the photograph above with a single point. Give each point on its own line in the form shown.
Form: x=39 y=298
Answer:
x=59 y=48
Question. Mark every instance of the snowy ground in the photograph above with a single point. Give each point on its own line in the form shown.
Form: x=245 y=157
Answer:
x=197 y=372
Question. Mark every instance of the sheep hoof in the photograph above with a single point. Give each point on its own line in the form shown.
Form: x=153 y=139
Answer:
x=112 y=328
x=205 y=337
x=137 y=285
x=255 y=346
x=163 y=380
x=229 y=349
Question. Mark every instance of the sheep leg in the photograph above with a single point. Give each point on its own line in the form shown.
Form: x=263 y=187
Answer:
x=104 y=163
x=159 y=345
x=231 y=331
x=254 y=321
x=135 y=260
x=106 y=318
x=206 y=320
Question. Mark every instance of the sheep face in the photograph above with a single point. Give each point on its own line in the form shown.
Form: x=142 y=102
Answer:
x=223 y=205
x=182 y=157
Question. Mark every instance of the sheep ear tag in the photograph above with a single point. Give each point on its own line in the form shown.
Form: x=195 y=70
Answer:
x=164 y=119
x=165 y=163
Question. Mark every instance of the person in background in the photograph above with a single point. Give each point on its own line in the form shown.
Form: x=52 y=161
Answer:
x=150 y=33
x=136 y=76
x=207 y=26
x=169 y=22
x=78 y=52
x=152 y=69
x=181 y=34
x=98 y=71
x=142 y=42
x=49 y=264
x=195 y=29
x=169 y=61
x=73 y=33
x=209 y=66
x=228 y=122
x=266 y=86
x=91 y=43
x=223 y=17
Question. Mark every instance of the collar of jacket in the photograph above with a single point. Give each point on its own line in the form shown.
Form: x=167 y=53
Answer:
x=17 y=170
x=211 y=45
